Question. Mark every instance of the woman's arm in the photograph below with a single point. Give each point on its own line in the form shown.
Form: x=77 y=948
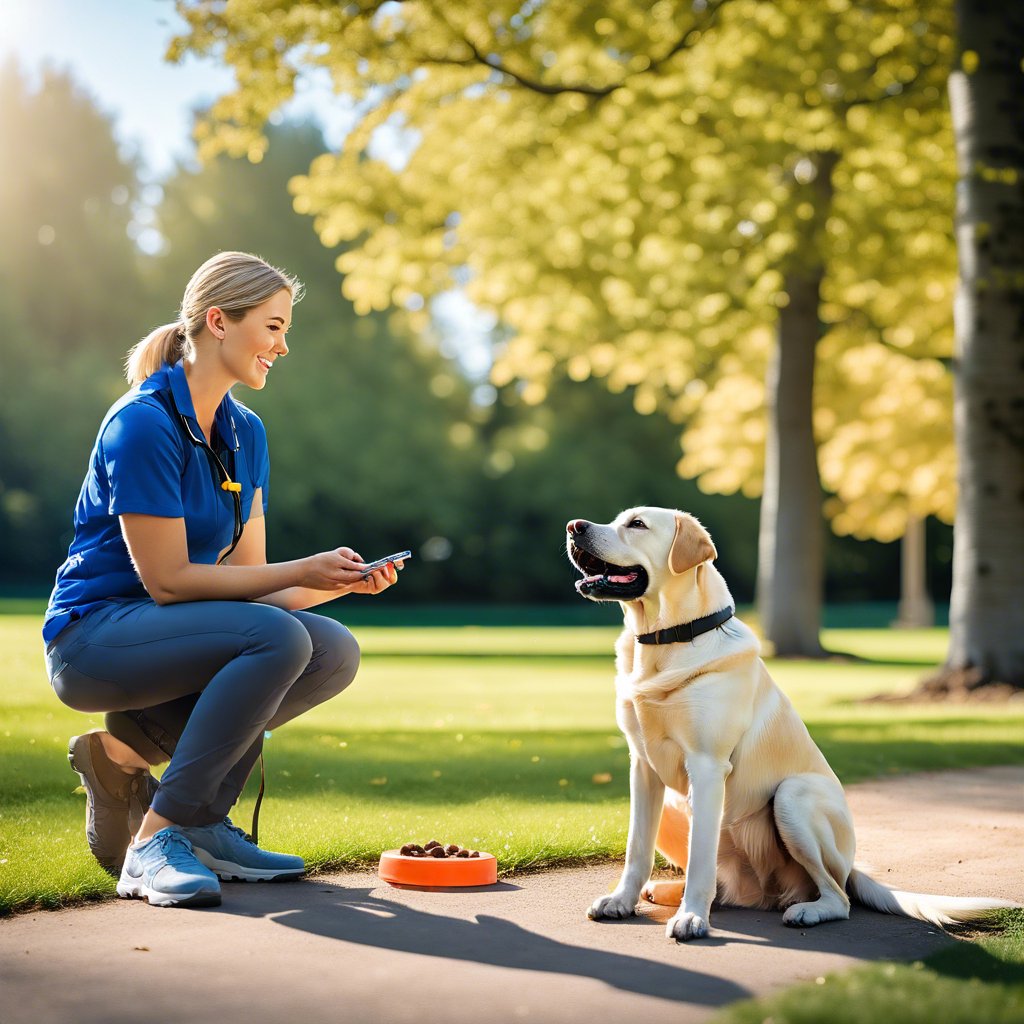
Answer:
x=252 y=550
x=159 y=551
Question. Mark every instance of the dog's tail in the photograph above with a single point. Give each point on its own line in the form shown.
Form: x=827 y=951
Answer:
x=938 y=910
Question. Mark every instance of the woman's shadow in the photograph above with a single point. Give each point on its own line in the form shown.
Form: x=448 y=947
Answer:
x=358 y=916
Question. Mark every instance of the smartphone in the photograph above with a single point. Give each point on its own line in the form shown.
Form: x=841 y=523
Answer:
x=398 y=556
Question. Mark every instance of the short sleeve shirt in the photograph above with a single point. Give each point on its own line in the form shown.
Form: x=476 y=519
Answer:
x=145 y=462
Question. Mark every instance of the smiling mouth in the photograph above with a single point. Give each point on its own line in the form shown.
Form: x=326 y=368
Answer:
x=265 y=363
x=605 y=581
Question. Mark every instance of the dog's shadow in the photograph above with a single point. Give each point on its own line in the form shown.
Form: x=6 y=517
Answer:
x=359 y=916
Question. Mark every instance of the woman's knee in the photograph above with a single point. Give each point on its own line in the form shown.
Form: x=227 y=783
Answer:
x=280 y=638
x=339 y=647
x=332 y=668
x=348 y=655
x=335 y=646
x=345 y=647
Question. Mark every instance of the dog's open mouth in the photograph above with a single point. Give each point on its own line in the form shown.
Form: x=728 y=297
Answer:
x=603 y=580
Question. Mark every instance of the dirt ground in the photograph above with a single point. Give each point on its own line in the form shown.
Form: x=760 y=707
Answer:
x=350 y=947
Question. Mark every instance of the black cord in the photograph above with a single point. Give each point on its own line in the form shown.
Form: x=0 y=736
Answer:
x=222 y=474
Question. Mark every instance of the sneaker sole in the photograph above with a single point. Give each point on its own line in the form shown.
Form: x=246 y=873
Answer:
x=140 y=891
x=227 y=871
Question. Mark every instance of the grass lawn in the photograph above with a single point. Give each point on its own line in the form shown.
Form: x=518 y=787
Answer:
x=498 y=738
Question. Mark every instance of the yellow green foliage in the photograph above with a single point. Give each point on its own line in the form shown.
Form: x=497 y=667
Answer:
x=628 y=185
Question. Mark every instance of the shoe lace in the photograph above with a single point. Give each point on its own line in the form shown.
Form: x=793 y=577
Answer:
x=176 y=848
x=228 y=824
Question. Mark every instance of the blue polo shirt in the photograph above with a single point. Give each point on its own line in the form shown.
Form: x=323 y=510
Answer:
x=144 y=462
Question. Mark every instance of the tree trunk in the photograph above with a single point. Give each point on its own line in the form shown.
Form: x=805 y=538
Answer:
x=916 y=609
x=791 y=540
x=987 y=99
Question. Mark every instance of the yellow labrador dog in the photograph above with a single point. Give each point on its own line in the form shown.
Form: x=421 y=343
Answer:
x=725 y=779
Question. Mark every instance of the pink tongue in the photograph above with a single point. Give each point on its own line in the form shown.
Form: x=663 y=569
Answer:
x=611 y=579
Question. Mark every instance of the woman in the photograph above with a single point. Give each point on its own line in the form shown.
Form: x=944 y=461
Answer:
x=166 y=613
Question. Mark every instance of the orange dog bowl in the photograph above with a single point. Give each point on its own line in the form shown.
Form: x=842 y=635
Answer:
x=445 y=872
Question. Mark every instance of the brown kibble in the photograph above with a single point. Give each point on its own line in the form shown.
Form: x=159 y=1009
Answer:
x=405 y=850
x=431 y=844
x=451 y=849
x=475 y=853
x=462 y=853
x=438 y=851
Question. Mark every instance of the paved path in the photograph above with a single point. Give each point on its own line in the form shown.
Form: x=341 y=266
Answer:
x=349 y=948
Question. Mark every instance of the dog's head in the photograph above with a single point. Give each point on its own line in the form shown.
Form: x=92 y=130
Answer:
x=642 y=549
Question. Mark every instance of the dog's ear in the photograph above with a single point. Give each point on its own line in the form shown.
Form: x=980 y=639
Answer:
x=690 y=546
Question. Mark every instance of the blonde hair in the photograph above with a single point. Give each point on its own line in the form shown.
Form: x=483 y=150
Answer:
x=235 y=282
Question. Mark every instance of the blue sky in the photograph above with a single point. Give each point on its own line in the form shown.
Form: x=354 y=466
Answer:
x=115 y=50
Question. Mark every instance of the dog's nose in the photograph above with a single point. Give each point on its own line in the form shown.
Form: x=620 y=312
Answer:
x=577 y=526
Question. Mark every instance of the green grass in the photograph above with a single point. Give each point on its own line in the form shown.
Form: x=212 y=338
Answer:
x=499 y=738
x=970 y=983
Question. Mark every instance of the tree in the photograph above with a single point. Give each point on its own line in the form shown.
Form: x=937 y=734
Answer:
x=68 y=279
x=987 y=97
x=650 y=194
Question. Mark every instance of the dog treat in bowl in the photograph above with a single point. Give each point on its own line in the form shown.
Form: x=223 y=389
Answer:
x=436 y=864
x=433 y=848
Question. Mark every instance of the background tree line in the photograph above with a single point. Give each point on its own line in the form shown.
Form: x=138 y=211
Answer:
x=670 y=194
x=378 y=437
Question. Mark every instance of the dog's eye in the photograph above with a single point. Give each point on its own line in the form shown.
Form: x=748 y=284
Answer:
x=637 y=524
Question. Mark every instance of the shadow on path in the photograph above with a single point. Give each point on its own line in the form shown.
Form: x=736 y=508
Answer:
x=358 y=916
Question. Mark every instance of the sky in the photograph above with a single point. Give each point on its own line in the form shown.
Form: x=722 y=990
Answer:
x=114 y=49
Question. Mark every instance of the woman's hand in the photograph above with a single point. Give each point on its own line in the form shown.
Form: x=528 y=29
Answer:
x=335 y=571
x=378 y=581
x=340 y=572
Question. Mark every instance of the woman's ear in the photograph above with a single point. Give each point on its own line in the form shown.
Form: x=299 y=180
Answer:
x=690 y=546
x=215 y=322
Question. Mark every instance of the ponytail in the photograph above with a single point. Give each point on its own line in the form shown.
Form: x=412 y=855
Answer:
x=166 y=344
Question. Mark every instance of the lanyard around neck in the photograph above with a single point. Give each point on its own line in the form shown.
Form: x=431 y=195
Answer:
x=226 y=483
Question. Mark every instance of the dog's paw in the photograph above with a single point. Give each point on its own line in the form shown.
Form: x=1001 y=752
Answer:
x=685 y=926
x=612 y=907
x=807 y=915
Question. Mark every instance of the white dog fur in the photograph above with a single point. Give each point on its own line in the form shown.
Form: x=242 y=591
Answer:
x=725 y=779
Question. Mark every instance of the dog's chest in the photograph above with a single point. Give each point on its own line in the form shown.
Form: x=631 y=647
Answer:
x=644 y=727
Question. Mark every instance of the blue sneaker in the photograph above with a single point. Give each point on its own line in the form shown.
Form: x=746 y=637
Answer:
x=226 y=850
x=165 y=872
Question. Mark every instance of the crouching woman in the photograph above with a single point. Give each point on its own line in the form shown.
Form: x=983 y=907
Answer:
x=166 y=615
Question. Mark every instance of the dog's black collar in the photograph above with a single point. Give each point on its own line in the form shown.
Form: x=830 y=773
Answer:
x=688 y=631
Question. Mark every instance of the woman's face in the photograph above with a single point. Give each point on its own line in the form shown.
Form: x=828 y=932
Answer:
x=251 y=346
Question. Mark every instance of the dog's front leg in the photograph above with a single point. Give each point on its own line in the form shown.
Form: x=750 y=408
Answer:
x=707 y=802
x=646 y=796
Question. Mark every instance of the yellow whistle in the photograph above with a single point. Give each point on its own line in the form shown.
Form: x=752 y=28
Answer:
x=230 y=485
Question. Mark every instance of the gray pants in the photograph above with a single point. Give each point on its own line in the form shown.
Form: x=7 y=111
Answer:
x=211 y=675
